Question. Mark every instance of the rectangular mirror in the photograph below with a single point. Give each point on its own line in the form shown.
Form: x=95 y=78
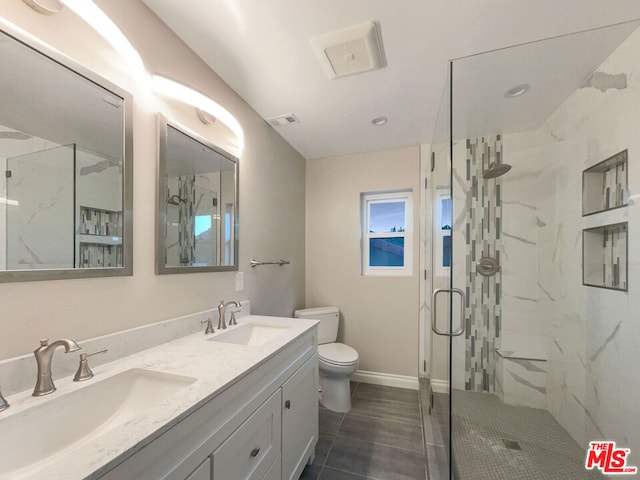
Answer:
x=197 y=221
x=66 y=168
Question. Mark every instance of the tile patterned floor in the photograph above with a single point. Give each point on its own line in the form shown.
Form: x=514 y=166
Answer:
x=384 y=437
x=379 y=439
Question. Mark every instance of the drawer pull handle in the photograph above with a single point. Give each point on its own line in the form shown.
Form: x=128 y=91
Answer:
x=255 y=452
x=287 y=404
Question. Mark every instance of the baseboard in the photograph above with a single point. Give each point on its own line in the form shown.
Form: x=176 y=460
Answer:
x=439 y=386
x=387 y=379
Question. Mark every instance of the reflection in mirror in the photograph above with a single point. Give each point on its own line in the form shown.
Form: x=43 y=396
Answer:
x=65 y=146
x=197 y=204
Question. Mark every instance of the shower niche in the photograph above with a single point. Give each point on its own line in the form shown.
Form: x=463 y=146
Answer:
x=604 y=185
x=604 y=256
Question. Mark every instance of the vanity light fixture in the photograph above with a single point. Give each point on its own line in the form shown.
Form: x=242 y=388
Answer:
x=205 y=117
x=46 y=7
x=94 y=16
x=379 y=121
x=517 y=91
x=178 y=91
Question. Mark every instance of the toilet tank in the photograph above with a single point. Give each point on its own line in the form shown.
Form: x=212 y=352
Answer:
x=329 y=318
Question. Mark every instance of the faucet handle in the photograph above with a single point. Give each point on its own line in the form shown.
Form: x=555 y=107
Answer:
x=84 y=371
x=209 y=330
x=232 y=320
x=3 y=403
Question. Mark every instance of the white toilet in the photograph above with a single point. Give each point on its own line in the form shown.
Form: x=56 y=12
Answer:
x=337 y=361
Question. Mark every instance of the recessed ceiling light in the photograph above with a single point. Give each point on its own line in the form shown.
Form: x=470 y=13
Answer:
x=379 y=121
x=517 y=91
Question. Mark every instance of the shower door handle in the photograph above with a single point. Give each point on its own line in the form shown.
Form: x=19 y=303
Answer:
x=434 y=311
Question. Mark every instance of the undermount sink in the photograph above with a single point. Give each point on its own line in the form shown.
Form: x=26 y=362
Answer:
x=35 y=434
x=252 y=334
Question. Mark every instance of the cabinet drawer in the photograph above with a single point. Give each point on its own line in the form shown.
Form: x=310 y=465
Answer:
x=251 y=449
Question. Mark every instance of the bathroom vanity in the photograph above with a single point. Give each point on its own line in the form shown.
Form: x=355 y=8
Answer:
x=239 y=404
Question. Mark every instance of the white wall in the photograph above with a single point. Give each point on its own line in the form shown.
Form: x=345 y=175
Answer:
x=379 y=315
x=271 y=197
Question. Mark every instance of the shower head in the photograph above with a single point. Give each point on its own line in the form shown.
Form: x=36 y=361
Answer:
x=496 y=170
x=175 y=200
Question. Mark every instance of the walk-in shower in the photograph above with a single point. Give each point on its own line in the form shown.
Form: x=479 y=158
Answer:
x=538 y=360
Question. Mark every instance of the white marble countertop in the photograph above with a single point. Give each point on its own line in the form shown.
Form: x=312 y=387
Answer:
x=214 y=365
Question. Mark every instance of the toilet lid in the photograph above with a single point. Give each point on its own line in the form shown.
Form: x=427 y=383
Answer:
x=337 y=354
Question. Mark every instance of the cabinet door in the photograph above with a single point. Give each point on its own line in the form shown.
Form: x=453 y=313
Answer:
x=299 y=419
x=203 y=472
x=249 y=451
x=274 y=472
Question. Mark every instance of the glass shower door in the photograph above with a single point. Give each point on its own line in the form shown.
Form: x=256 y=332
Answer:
x=544 y=160
x=441 y=295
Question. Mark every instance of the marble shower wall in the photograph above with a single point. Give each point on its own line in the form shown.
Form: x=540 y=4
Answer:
x=40 y=228
x=13 y=144
x=587 y=335
x=527 y=251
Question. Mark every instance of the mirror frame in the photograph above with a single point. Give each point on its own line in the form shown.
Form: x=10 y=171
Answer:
x=161 y=205
x=50 y=54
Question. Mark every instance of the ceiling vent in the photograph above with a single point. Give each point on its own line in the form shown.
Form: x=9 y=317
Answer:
x=282 y=120
x=353 y=50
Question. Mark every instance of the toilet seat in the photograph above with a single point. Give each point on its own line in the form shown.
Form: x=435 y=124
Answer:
x=337 y=354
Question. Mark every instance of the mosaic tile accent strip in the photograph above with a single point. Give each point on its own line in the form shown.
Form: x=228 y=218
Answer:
x=185 y=197
x=99 y=245
x=483 y=229
x=605 y=256
x=94 y=221
x=605 y=185
x=93 y=255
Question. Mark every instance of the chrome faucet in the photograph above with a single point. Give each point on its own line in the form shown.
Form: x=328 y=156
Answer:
x=44 y=353
x=222 y=309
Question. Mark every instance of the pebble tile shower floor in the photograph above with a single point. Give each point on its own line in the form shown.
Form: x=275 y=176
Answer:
x=484 y=429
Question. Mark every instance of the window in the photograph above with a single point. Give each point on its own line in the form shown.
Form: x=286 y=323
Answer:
x=387 y=233
x=442 y=231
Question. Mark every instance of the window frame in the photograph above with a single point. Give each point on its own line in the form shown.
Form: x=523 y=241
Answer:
x=405 y=196
x=442 y=194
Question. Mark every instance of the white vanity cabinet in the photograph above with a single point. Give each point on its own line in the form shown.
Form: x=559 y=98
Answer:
x=263 y=426
x=251 y=449
x=299 y=419
x=203 y=472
